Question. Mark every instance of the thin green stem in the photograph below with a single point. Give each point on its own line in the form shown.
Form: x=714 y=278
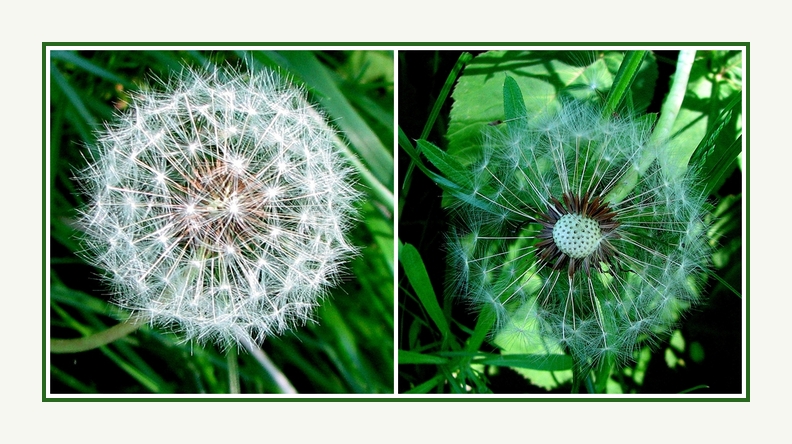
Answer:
x=603 y=372
x=233 y=370
x=673 y=101
x=577 y=378
x=274 y=372
x=463 y=60
x=96 y=340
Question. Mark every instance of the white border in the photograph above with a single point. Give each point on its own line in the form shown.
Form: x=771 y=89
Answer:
x=394 y=396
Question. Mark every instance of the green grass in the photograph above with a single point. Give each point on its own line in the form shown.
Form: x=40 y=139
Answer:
x=349 y=349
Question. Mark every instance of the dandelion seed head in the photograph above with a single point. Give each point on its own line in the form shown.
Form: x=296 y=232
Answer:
x=576 y=234
x=206 y=200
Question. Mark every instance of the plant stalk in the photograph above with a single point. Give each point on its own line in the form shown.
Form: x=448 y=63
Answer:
x=96 y=340
x=274 y=372
x=233 y=370
x=673 y=101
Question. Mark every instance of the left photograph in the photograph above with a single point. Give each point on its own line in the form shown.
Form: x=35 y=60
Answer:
x=219 y=222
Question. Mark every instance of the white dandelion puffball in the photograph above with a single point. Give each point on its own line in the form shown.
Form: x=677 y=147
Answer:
x=579 y=239
x=219 y=206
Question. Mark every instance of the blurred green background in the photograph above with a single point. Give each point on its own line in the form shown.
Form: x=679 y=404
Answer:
x=349 y=350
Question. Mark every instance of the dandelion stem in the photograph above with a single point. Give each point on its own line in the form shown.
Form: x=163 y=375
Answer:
x=673 y=102
x=96 y=340
x=233 y=370
x=277 y=376
x=603 y=373
x=578 y=378
x=664 y=126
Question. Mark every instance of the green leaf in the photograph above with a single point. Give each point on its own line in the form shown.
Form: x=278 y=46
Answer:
x=416 y=274
x=448 y=166
x=541 y=77
x=411 y=357
x=628 y=72
x=693 y=389
x=713 y=96
x=535 y=362
x=545 y=367
x=427 y=386
x=378 y=158
x=715 y=155
x=455 y=178
x=464 y=58
x=607 y=362
x=513 y=103
x=484 y=323
x=142 y=373
x=90 y=67
x=74 y=97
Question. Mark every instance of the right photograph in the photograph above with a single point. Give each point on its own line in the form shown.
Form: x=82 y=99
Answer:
x=572 y=222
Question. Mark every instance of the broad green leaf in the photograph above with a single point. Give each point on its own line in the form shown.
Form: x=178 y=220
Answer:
x=524 y=338
x=542 y=77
